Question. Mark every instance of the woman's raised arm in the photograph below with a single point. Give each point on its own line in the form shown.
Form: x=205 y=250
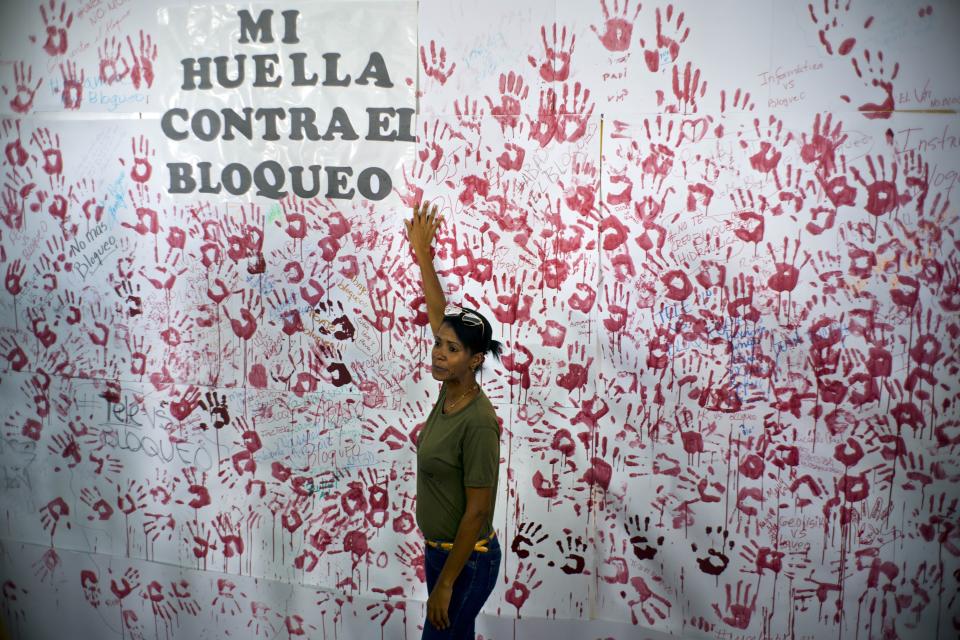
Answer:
x=421 y=230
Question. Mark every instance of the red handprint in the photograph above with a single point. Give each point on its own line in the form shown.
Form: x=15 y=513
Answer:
x=666 y=47
x=433 y=148
x=102 y=318
x=686 y=89
x=141 y=169
x=786 y=275
x=229 y=535
x=573 y=114
x=658 y=163
x=14 y=354
x=751 y=214
x=49 y=146
x=882 y=194
x=916 y=171
x=437 y=67
x=792 y=191
x=131 y=498
x=199 y=537
x=832 y=20
x=185 y=601
x=519 y=591
x=14 y=151
x=138 y=356
x=90 y=583
x=165 y=278
x=651 y=603
x=91 y=206
x=40 y=329
x=148 y=220
x=556 y=65
x=508 y=292
x=56 y=25
x=51 y=514
x=741 y=102
x=13 y=280
x=101 y=508
x=161 y=607
x=18 y=190
x=47 y=565
x=142 y=70
x=874 y=66
x=157 y=524
x=469 y=116
x=72 y=93
x=411 y=557
x=24 y=90
x=127 y=584
x=188 y=402
x=823 y=143
x=110 y=59
x=740 y=606
x=617 y=29
x=576 y=376
x=512 y=91
x=59 y=197
x=771 y=145
x=65 y=447
x=545 y=127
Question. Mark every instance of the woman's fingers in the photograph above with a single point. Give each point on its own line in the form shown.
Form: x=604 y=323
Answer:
x=437 y=612
x=427 y=215
x=425 y=210
x=437 y=620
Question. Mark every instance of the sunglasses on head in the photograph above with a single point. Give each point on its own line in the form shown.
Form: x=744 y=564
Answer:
x=468 y=318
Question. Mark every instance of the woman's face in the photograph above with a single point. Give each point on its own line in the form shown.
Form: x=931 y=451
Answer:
x=450 y=360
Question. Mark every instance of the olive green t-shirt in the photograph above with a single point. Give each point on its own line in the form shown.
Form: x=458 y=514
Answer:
x=455 y=451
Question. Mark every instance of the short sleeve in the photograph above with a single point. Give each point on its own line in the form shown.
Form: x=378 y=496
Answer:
x=481 y=455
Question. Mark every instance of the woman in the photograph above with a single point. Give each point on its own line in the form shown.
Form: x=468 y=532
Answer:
x=458 y=457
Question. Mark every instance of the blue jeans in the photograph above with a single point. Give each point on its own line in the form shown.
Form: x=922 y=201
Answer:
x=470 y=590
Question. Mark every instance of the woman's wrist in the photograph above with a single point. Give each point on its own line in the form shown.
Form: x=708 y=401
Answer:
x=423 y=256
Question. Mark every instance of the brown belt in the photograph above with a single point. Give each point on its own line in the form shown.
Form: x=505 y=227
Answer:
x=480 y=546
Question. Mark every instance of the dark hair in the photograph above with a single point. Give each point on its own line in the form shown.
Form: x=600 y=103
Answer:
x=474 y=338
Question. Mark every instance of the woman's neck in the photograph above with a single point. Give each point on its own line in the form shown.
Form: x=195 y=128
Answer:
x=459 y=396
x=457 y=387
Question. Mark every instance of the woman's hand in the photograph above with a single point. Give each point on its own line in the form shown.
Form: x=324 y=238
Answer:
x=420 y=230
x=423 y=227
x=438 y=604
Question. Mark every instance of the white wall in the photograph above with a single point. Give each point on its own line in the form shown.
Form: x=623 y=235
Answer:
x=724 y=266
